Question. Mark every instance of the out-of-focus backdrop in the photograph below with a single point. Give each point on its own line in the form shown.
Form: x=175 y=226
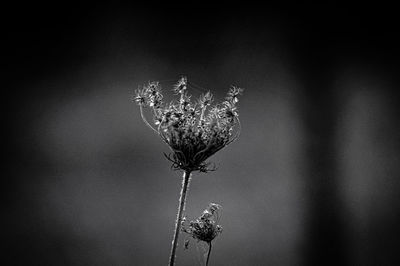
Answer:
x=313 y=179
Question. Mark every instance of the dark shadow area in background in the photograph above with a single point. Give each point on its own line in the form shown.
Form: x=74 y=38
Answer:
x=338 y=39
x=325 y=227
x=46 y=41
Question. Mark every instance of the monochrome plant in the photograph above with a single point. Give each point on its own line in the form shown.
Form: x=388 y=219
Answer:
x=194 y=131
x=204 y=228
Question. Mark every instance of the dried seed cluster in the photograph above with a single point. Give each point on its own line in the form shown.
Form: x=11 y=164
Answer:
x=193 y=130
x=205 y=228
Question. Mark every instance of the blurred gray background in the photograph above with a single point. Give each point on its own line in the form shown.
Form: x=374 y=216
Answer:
x=313 y=179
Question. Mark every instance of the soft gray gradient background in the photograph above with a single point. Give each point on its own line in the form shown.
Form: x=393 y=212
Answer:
x=313 y=178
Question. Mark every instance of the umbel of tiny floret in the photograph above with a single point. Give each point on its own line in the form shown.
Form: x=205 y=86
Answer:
x=205 y=228
x=194 y=131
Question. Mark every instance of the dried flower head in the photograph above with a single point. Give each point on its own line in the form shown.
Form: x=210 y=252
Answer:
x=140 y=97
x=181 y=86
x=206 y=99
x=192 y=132
x=205 y=228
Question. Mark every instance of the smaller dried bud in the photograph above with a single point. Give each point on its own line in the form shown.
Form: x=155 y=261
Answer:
x=205 y=228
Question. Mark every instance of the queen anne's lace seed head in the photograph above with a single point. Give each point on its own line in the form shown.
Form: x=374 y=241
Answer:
x=193 y=132
x=205 y=227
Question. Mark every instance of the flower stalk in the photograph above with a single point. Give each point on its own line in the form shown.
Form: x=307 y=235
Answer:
x=181 y=210
x=209 y=252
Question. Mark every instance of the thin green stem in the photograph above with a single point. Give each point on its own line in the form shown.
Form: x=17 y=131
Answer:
x=181 y=209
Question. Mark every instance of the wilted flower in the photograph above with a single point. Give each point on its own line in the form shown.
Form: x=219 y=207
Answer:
x=205 y=228
x=192 y=132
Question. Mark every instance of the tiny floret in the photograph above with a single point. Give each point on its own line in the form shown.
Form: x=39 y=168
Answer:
x=233 y=94
x=206 y=99
x=140 y=97
x=181 y=86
